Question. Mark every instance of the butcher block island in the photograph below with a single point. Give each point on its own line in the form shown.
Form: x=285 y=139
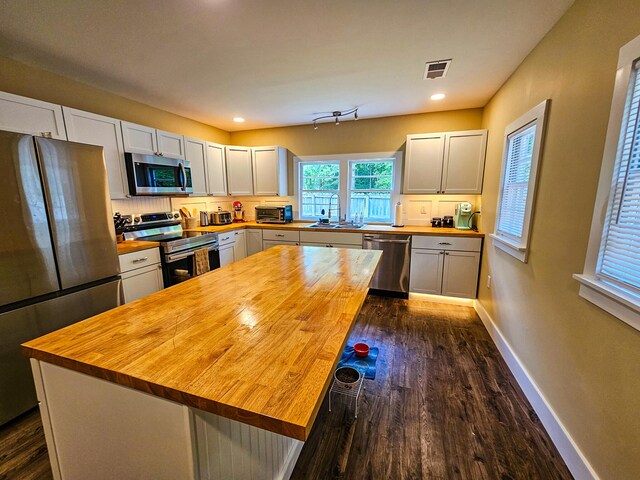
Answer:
x=221 y=376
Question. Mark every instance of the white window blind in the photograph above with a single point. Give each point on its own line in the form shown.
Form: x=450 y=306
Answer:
x=515 y=187
x=619 y=258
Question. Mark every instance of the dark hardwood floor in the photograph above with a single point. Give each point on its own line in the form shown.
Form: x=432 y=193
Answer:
x=443 y=406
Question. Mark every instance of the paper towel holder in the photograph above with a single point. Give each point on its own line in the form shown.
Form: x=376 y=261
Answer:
x=397 y=216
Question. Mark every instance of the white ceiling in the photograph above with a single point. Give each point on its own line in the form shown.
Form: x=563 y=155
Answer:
x=280 y=62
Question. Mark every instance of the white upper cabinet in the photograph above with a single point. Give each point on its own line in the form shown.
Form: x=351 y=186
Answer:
x=34 y=117
x=196 y=155
x=423 y=163
x=170 y=144
x=269 y=170
x=216 y=170
x=139 y=139
x=464 y=154
x=448 y=162
x=85 y=127
x=239 y=176
x=149 y=141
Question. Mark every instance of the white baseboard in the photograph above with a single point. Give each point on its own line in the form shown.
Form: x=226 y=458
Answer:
x=425 y=297
x=576 y=462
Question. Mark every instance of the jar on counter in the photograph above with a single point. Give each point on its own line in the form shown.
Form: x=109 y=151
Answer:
x=436 y=222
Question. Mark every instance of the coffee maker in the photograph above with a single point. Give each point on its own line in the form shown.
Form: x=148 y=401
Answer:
x=463 y=214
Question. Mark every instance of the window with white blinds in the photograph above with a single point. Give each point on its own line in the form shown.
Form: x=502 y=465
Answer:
x=521 y=156
x=516 y=183
x=619 y=257
x=611 y=275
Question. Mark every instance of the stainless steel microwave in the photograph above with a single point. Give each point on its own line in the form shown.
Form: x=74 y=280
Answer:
x=274 y=214
x=154 y=175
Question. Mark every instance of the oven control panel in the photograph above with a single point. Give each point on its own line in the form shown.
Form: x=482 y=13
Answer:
x=148 y=219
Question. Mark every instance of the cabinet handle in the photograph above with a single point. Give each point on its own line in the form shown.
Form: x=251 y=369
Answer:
x=444 y=243
x=446 y=253
x=328 y=245
x=279 y=235
x=138 y=260
x=442 y=253
x=226 y=238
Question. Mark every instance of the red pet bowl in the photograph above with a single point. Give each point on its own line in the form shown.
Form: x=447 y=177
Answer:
x=361 y=349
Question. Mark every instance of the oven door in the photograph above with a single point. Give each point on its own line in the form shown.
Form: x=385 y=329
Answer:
x=153 y=175
x=178 y=267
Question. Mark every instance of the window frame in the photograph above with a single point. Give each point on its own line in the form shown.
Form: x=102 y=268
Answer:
x=299 y=180
x=619 y=302
x=353 y=162
x=519 y=248
x=344 y=160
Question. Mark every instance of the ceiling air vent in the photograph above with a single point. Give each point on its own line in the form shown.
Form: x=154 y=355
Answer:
x=436 y=69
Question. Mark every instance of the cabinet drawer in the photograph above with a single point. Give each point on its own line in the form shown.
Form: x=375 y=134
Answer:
x=286 y=235
x=143 y=258
x=273 y=243
x=330 y=245
x=345 y=238
x=447 y=243
x=226 y=238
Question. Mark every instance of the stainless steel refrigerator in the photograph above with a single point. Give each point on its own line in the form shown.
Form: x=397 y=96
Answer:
x=58 y=257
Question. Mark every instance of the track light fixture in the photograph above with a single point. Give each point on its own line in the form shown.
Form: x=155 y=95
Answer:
x=336 y=115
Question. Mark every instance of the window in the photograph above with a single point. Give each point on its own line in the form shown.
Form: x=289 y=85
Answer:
x=350 y=184
x=611 y=277
x=523 y=139
x=370 y=189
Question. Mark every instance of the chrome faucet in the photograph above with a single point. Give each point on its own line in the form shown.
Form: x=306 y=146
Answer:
x=339 y=211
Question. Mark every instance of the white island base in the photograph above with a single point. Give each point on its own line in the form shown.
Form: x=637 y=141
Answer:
x=98 y=430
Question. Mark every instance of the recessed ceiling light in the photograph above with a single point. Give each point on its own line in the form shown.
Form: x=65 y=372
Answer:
x=238 y=119
x=438 y=96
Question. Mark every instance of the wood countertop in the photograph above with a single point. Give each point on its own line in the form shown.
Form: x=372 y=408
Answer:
x=407 y=230
x=256 y=341
x=129 y=246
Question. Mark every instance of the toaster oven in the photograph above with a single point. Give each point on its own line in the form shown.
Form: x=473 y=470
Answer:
x=274 y=214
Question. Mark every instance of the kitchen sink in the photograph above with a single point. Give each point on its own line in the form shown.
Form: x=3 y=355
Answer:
x=334 y=226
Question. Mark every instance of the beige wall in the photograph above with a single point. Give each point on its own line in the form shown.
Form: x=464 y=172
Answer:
x=372 y=135
x=585 y=362
x=21 y=79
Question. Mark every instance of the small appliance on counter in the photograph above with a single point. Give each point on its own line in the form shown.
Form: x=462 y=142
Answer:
x=274 y=214
x=221 y=217
x=238 y=212
x=463 y=214
x=447 y=221
x=436 y=222
x=204 y=219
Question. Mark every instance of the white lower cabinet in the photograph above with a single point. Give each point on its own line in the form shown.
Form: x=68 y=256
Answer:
x=141 y=274
x=233 y=246
x=448 y=266
x=331 y=245
x=331 y=239
x=273 y=243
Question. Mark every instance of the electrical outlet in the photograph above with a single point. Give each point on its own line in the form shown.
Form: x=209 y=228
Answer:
x=423 y=211
x=489 y=281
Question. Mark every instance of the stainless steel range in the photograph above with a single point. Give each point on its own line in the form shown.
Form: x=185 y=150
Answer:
x=177 y=246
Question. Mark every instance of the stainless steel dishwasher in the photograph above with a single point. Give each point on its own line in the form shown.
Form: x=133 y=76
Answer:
x=393 y=272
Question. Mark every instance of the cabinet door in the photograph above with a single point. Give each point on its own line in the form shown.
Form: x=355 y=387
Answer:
x=269 y=170
x=253 y=237
x=240 y=245
x=33 y=117
x=216 y=170
x=426 y=271
x=460 y=277
x=85 y=127
x=226 y=255
x=239 y=177
x=170 y=144
x=464 y=155
x=423 y=165
x=142 y=282
x=139 y=139
x=196 y=154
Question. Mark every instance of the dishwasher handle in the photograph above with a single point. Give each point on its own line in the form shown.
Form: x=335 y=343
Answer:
x=381 y=240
